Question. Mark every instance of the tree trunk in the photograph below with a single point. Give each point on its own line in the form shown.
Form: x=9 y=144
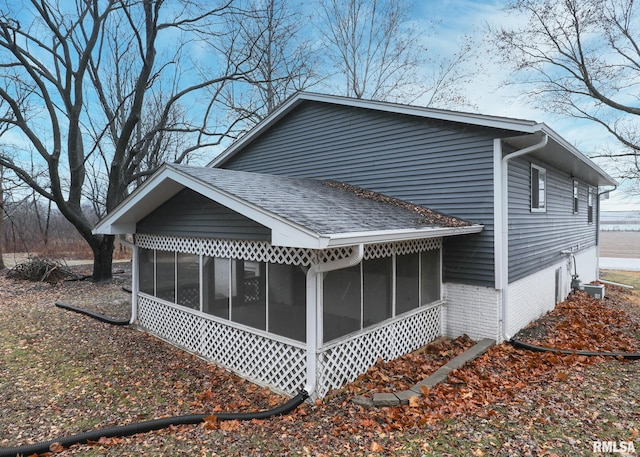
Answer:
x=2 y=266
x=102 y=258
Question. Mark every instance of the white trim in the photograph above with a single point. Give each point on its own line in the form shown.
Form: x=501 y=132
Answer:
x=542 y=171
x=498 y=213
x=383 y=236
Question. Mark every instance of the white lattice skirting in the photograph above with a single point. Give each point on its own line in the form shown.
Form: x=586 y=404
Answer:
x=343 y=361
x=264 y=360
x=280 y=365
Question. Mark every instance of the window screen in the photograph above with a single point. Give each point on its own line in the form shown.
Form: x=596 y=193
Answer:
x=216 y=274
x=248 y=301
x=342 y=300
x=188 y=280
x=287 y=301
x=407 y=282
x=145 y=271
x=166 y=275
x=376 y=290
x=430 y=272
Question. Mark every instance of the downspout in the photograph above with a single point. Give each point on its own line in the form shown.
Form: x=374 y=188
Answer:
x=134 y=278
x=504 y=261
x=313 y=273
x=598 y=229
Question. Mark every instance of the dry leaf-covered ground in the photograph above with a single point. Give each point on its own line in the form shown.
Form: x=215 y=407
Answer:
x=63 y=373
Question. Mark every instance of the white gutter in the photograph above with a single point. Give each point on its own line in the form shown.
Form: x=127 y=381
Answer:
x=313 y=276
x=503 y=280
x=387 y=236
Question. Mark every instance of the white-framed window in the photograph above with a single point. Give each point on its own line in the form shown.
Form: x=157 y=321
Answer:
x=576 y=196
x=538 y=189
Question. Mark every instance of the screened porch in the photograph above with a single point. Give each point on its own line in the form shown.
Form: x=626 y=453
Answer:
x=246 y=308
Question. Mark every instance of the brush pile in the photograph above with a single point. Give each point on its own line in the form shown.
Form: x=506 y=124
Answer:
x=40 y=269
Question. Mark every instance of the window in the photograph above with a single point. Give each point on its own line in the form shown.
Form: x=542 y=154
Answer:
x=430 y=276
x=342 y=302
x=216 y=284
x=188 y=280
x=538 y=189
x=407 y=282
x=361 y=296
x=146 y=265
x=287 y=301
x=576 y=196
x=590 y=198
x=248 y=296
x=166 y=275
x=377 y=285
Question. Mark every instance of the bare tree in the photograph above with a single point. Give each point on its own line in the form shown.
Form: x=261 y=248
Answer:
x=273 y=37
x=581 y=58
x=96 y=87
x=379 y=52
x=2 y=266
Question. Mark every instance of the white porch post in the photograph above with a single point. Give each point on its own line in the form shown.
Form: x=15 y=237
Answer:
x=135 y=282
x=314 y=275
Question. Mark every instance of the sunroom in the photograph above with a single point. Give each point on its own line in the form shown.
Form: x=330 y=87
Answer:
x=291 y=283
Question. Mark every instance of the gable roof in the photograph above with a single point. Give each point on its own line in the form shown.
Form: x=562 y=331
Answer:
x=299 y=212
x=516 y=132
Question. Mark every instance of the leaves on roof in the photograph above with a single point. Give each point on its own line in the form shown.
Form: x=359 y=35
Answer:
x=428 y=216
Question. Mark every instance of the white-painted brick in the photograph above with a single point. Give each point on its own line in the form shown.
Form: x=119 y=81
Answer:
x=471 y=310
x=531 y=297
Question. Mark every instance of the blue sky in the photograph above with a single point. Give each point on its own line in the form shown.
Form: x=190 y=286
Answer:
x=455 y=18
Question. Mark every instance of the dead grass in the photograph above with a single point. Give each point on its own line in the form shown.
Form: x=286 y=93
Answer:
x=63 y=373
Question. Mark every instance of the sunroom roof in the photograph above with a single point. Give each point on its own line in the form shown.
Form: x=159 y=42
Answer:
x=299 y=212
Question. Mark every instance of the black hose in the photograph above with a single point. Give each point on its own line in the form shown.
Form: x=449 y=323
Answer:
x=157 y=424
x=100 y=317
x=533 y=347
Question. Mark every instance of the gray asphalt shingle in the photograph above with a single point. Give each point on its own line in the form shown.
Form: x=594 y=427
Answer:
x=325 y=208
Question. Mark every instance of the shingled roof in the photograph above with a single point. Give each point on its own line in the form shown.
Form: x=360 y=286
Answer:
x=324 y=210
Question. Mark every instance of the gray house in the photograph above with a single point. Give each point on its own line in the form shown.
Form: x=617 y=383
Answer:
x=339 y=230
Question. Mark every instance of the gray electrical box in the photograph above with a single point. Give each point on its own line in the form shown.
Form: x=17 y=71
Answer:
x=594 y=290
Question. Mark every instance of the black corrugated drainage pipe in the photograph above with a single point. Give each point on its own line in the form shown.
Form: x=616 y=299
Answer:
x=533 y=347
x=100 y=317
x=157 y=424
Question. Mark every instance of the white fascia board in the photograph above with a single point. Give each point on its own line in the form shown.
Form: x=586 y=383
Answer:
x=144 y=199
x=168 y=181
x=577 y=154
x=505 y=123
x=387 y=236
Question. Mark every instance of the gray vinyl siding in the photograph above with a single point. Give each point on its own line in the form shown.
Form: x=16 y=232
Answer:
x=536 y=239
x=191 y=214
x=444 y=166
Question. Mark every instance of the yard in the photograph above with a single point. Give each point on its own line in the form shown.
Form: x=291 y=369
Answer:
x=63 y=373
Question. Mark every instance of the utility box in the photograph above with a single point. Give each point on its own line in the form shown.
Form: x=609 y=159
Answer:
x=594 y=290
